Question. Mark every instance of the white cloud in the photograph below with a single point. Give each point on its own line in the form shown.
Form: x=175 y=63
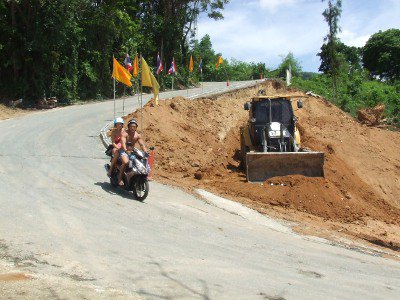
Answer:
x=253 y=37
x=352 y=39
x=273 y=5
x=252 y=32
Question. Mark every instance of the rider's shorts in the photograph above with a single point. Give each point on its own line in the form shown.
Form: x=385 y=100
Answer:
x=122 y=153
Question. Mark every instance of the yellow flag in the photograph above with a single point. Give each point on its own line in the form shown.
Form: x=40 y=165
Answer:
x=191 y=64
x=120 y=73
x=220 y=61
x=149 y=80
x=136 y=66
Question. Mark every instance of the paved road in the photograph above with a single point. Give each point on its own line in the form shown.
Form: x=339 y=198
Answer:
x=60 y=217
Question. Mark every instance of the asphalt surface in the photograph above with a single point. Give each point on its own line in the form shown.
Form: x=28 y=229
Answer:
x=60 y=217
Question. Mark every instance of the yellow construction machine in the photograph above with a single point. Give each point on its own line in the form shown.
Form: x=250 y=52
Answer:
x=270 y=141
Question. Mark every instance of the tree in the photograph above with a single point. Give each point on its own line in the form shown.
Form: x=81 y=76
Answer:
x=64 y=48
x=381 y=55
x=332 y=15
x=349 y=55
x=204 y=50
x=173 y=23
x=287 y=61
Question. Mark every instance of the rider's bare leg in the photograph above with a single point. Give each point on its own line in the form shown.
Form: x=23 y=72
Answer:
x=113 y=161
x=124 y=162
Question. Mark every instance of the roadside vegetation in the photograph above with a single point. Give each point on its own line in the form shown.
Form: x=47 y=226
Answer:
x=63 y=49
x=355 y=78
x=366 y=77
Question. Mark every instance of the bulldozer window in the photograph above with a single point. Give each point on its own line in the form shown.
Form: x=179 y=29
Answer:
x=281 y=112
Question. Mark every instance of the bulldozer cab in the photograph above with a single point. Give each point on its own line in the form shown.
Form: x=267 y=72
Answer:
x=265 y=110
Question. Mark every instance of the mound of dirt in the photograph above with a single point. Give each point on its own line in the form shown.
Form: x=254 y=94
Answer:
x=371 y=116
x=197 y=146
x=8 y=112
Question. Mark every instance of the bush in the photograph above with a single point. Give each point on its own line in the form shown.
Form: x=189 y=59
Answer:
x=356 y=92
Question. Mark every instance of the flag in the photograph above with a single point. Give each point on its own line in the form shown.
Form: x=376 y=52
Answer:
x=127 y=63
x=136 y=66
x=220 y=61
x=149 y=80
x=172 y=70
x=201 y=65
x=160 y=67
x=191 y=65
x=120 y=73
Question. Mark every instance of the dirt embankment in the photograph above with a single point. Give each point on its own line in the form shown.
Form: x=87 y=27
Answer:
x=197 y=146
x=8 y=112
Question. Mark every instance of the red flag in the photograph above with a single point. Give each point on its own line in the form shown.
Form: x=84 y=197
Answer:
x=172 y=70
x=160 y=67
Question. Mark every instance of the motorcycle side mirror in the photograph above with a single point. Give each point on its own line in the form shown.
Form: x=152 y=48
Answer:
x=247 y=106
x=299 y=104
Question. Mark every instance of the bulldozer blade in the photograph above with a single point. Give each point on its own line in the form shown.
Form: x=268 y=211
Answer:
x=260 y=166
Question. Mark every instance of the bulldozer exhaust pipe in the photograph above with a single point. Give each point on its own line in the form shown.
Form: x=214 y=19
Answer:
x=262 y=166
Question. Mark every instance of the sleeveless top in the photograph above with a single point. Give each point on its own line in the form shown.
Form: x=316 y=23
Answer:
x=117 y=141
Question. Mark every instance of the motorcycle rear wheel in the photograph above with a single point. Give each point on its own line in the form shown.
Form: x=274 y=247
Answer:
x=141 y=188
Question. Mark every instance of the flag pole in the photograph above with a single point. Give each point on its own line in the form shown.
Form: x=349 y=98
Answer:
x=114 y=86
x=227 y=78
x=202 y=83
x=141 y=94
x=201 y=73
x=123 y=95
x=190 y=71
x=123 y=103
x=114 y=98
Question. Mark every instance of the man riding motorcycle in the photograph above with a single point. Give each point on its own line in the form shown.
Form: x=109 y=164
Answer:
x=119 y=139
x=133 y=136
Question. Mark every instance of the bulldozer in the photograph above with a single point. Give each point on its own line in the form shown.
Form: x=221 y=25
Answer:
x=270 y=141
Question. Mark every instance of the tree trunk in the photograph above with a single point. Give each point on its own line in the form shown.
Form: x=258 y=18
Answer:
x=14 y=25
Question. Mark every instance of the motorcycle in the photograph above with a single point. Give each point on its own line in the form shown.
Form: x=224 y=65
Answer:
x=135 y=176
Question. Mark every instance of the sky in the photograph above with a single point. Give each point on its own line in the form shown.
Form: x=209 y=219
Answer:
x=267 y=30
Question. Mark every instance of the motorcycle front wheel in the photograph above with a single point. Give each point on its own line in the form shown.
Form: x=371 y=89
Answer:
x=141 y=188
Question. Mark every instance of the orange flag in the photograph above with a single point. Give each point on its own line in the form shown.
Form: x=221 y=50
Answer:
x=121 y=74
x=220 y=61
x=191 y=64
x=136 y=66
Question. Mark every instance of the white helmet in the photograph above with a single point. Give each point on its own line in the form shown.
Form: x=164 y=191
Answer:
x=118 y=120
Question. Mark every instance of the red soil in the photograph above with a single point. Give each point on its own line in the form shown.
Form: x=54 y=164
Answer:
x=197 y=146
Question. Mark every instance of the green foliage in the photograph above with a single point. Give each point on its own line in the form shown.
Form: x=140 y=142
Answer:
x=345 y=82
x=332 y=15
x=345 y=54
x=381 y=55
x=356 y=92
x=288 y=60
x=308 y=75
x=64 y=48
